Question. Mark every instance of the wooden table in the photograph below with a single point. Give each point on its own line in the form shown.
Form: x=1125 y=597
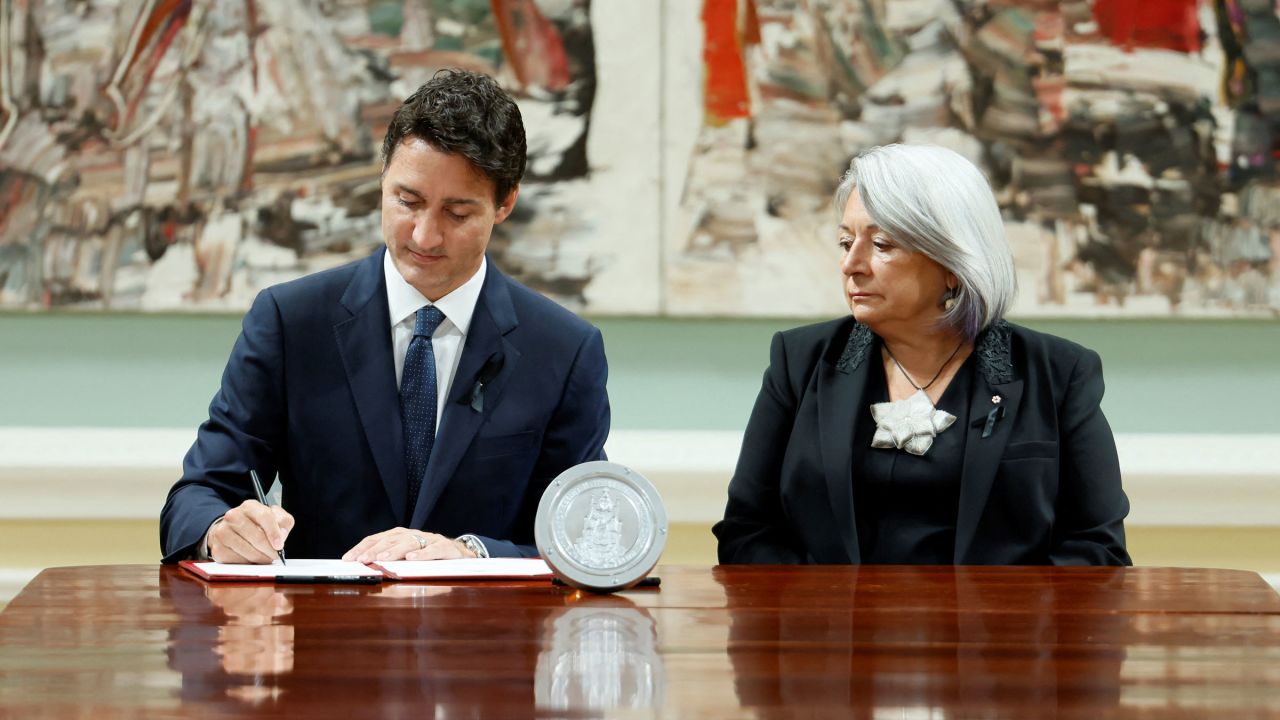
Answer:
x=898 y=642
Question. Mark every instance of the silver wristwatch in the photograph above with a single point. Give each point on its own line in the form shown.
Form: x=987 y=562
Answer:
x=474 y=545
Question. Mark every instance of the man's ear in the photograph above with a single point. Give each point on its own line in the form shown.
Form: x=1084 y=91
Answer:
x=507 y=205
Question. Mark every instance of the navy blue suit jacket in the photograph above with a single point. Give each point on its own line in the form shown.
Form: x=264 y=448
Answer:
x=310 y=393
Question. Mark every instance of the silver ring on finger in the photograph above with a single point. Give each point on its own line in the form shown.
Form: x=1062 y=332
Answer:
x=422 y=543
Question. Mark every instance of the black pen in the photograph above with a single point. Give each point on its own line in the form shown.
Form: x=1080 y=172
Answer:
x=645 y=582
x=262 y=498
x=312 y=579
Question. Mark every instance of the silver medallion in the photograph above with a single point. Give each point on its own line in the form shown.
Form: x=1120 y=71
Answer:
x=601 y=526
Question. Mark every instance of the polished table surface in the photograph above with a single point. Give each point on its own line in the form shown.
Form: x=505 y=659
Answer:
x=893 y=642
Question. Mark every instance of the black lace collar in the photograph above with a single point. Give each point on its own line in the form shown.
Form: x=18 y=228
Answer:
x=993 y=350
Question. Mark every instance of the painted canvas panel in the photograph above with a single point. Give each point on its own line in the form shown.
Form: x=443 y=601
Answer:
x=180 y=154
x=171 y=154
x=1132 y=145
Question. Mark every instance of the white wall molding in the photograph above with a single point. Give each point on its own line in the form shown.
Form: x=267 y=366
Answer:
x=103 y=473
x=12 y=580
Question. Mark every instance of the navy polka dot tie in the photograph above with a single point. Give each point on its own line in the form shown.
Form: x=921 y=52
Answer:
x=418 y=399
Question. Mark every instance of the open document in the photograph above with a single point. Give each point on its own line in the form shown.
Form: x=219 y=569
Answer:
x=466 y=569
x=303 y=571
x=296 y=571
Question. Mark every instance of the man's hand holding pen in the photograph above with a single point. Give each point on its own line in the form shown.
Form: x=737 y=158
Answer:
x=250 y=533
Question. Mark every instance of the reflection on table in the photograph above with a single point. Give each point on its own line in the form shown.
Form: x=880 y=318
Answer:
x=725 y=641
x=958 y=645
x=599 y=655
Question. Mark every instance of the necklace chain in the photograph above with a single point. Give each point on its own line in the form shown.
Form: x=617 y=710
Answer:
x=937 y=375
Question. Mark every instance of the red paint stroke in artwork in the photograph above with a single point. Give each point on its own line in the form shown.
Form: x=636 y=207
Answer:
x=1163 y=24
x=750 y=24
x=1049 y=91
x=160 y=15
x=169 y=228
x=531 y=43
x=1050 y=28
x=166 y=19
x=725 y=94
x=251 y=140
x=12 y=200
x=250 y=146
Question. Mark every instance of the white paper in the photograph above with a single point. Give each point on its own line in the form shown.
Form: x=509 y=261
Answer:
x=295 y=568
x=468 y=568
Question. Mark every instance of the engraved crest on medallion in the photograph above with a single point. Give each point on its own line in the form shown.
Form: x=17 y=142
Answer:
x=602 y=524
x=600 y=544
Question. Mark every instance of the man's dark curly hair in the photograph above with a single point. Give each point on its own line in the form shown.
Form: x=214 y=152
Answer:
x=467 y=114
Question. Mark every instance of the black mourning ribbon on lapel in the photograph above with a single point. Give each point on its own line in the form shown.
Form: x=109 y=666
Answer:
x=487 y=373
x=988 y=424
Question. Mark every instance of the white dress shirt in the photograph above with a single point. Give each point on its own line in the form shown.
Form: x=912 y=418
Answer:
x=448 y=340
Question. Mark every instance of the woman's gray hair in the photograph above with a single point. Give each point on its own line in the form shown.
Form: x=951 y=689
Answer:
x=934 y=201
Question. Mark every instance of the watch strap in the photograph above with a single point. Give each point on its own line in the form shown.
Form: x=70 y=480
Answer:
x=474 y=544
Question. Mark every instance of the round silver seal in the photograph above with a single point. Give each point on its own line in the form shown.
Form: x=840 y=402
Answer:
x=601 y=526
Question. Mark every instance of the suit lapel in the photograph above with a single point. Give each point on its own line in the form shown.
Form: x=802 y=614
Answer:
x=364 y=342
x=494 y=317
x=840 y=388
x=982 y=454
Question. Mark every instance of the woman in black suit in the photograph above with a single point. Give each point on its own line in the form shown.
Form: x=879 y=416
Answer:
x=925 y=429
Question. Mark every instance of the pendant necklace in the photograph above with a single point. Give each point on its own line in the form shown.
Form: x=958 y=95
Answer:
x=912 y=423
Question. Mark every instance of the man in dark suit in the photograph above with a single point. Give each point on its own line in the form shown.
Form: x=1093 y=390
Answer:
x=414 y=404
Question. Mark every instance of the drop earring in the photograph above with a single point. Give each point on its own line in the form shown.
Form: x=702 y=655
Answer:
x=949 y=299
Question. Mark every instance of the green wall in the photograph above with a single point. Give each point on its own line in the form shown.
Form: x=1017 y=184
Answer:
x=120 y=370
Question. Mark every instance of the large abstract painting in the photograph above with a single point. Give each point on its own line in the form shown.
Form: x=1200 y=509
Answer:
x=180 y=154
x=184 y=154
x=1131 y=145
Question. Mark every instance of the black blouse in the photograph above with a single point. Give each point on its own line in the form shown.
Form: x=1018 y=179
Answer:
x=905 y=505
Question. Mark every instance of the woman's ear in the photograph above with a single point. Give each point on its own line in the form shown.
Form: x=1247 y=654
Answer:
x=949 y=297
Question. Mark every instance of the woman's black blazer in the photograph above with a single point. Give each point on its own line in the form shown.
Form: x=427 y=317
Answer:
x=1040 y=485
